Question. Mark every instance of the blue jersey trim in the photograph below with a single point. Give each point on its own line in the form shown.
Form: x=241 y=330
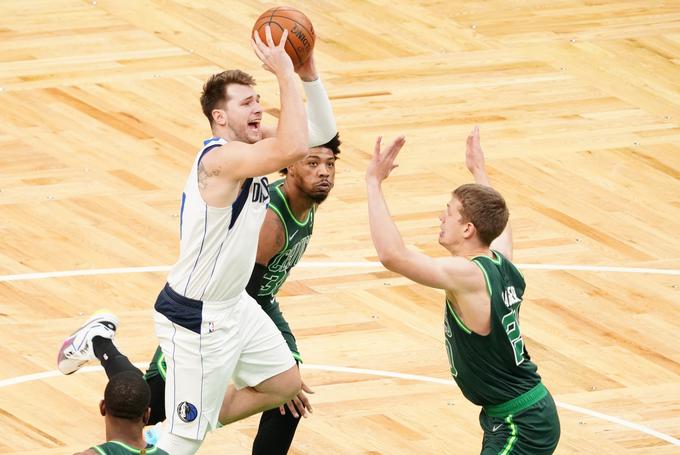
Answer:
x=240 y=202
x=208 y=141
x=206 y=150
x=181 y=214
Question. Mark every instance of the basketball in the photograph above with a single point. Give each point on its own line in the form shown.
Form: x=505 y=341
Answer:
x=301 y=35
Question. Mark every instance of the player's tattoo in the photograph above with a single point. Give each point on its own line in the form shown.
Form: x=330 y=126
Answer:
x=203 y=175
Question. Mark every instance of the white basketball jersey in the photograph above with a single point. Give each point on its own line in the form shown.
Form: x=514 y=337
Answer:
x=218 y=245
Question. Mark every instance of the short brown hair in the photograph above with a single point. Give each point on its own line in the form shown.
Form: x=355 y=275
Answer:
x=215 y=89
x=485 y=208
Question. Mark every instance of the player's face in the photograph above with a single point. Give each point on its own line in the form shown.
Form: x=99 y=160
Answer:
x=452 y=227
x=315 y=173
x=244 y=113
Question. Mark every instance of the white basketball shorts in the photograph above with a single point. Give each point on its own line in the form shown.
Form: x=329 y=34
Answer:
x=205 y=345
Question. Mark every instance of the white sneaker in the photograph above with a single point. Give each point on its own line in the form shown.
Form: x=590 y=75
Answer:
x=77 y=349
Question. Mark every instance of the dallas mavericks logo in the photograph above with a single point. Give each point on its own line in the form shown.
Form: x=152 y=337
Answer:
x=187 y=411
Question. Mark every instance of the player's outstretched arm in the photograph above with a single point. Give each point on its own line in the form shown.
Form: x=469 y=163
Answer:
x=320 y=120
x=453 y=273
x=474 y=160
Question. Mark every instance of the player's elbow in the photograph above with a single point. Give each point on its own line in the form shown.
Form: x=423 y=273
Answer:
x=388 y=259
x=395 y=258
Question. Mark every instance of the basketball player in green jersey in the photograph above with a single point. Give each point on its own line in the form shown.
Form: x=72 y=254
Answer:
x=285 y=233
x=125 y=408
x=484 y=290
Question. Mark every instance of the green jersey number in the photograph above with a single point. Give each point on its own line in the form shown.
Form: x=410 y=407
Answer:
x=272 y=283
x=449 y=351
x=512 y=330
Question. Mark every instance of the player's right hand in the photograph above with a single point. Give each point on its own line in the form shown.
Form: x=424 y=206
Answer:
x=382 y=163
x=299 y=405
x=273 y=56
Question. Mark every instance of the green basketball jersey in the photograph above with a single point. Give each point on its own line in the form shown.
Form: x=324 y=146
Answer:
x=119 y=448
x=298 y=234
x=495 y=368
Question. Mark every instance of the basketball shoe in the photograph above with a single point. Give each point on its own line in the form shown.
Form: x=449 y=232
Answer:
x=77 y=349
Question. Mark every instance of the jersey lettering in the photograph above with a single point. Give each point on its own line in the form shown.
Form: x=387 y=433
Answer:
x=510 y=296
x=261 y=191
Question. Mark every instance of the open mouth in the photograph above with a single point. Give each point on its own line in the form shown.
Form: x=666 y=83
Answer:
x=254 y=126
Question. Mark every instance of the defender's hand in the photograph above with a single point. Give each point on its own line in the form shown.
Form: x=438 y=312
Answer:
x=474 y=157
x=300 y=404
x=382 y=162
x=307 y=71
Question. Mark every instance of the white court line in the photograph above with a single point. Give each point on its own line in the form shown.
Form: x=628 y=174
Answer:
x=323 y=264
x=389 y=374
x=83 y=272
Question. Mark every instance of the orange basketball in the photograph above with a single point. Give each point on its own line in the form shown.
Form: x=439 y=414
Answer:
x=301 y=35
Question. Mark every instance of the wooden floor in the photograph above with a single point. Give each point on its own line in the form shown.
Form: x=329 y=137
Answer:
x=579 y=108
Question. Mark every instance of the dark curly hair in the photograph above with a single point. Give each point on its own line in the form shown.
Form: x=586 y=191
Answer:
x=333 y=145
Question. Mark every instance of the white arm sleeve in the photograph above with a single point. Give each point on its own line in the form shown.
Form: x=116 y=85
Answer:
x=320 y=120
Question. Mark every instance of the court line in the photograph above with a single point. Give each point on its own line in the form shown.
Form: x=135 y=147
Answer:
x=328 y=264
x=389 y=374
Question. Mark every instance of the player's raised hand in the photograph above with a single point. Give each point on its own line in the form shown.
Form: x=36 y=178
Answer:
x=382 y=162
x=307 y=71
x=474 y=157
x=273 y=56
x=300 y=404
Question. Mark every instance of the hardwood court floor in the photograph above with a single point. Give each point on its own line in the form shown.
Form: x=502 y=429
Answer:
x=579 y=108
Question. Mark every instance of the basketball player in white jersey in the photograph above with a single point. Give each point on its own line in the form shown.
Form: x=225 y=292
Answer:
x=209 y=328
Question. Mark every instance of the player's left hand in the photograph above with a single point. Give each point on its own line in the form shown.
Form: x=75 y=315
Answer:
x=307 y=71
x=299 y=405
x=474 y=157
x=382 y=162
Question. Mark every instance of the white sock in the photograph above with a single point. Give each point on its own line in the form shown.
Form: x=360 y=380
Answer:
x=177 y=445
